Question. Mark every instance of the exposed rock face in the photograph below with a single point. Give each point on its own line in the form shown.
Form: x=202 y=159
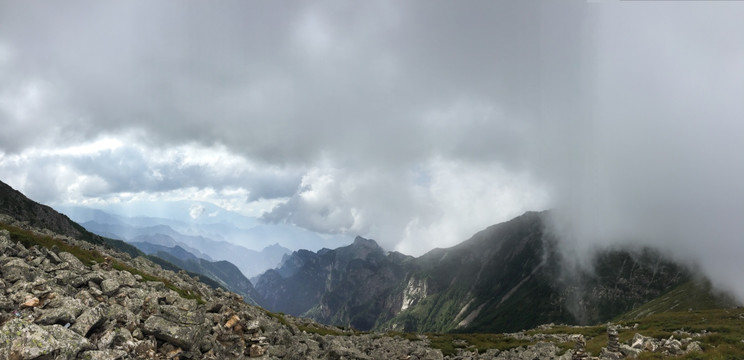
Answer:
x=352 y=285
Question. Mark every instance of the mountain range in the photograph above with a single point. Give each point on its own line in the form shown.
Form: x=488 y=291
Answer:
x=508 y=277
x=174 y=232
x=216 y=274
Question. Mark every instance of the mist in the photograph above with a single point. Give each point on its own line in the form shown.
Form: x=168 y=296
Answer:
x=652 y=156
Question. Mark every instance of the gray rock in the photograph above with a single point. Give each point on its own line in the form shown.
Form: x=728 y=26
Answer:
x=68 y=313
x=16 y=269
x=126 y=279
x=74 y=262
x=109 y=286
x=23 y=340
x=693 y=346
x=104 y=354
x=89 y=319
x=181 y=335
x=629 y=352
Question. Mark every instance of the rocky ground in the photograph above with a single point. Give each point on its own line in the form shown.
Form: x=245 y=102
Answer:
x=56 y=307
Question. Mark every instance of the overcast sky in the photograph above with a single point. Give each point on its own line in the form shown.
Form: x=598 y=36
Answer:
x=415 y=123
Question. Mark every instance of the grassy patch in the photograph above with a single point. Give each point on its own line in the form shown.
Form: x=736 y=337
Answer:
x=449 y=343
x=278 y=316
x=410 y=336
x=312 y=329
x=88 y=257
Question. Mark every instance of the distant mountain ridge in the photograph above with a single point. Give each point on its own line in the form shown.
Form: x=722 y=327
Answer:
x=250 y=262
x=483 y=284
x=225 y=273
x=17 y=206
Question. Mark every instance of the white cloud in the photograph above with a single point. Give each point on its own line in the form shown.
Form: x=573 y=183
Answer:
x=196 y=210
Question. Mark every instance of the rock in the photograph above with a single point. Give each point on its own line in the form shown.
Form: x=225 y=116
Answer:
x=613 y=339
x=605 y=354
x=693 y=346
x=257 y=351
x=74 y=262
x=252 y=327
x=232 y=321
x=109 y=354
x=145 y=349
x=109 y=286
x=68 y=313
x=637 y=341
x=579 y=347
x=177 y=334
x=629 y=351
x=23 y=340
x=89 y=319
x=31 y=302
x=650 y=345
x=16 y=269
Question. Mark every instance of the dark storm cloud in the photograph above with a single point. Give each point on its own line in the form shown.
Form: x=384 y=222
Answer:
x=286 y=83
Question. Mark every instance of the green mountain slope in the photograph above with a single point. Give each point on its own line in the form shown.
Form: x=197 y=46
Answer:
x=692 y=295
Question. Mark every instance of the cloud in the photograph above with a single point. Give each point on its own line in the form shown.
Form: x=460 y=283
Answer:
x=109 y=167
x=412 y=211
x=196 y=210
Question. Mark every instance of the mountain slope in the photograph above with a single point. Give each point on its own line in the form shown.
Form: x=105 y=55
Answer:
x=224 y=273
x=15 y=205
x=250 y=262
x=484 y=284
x=348 y=285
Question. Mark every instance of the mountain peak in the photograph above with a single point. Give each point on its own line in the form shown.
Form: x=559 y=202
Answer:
x=369 y=243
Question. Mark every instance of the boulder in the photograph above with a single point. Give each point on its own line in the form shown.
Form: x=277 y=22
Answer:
x=16 y=269
x=178 y=334
x=629 y=352
x=74 y=262
x=693 y=346
x=109 y=286
x=67 y=313
x=23 y=340
x=89 y=319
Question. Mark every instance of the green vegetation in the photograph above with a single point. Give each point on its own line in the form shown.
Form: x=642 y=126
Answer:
x=723 y=339
x=88 y=257
x=278 y=316
x=696 y=295
x=312 y=329
x=725 y=328
x=449 y=343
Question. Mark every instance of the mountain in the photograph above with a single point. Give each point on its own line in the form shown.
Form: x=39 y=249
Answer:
x=200 y=219
x=483 y=284
x=344 y=286
x=224 y=273
x=250 y=262
x=70 y=298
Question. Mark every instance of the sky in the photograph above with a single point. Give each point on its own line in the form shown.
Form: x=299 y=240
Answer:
x=416 y=123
